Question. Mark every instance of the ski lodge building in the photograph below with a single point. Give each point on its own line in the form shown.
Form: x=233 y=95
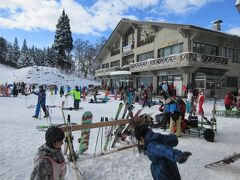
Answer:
x=149 y=53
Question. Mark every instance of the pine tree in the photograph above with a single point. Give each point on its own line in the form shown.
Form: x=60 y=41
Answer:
x=3 y=50
x=15 y=53
x=51 y=57
x=24 y=59
x=9 y=55
x=63 y=42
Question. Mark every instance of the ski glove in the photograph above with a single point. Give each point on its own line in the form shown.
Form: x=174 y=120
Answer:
x=183 y=157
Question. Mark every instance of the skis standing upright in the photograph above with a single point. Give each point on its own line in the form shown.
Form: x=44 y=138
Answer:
x=109 y=136
x=120 y=128
x=69 y=141
x=131 y=125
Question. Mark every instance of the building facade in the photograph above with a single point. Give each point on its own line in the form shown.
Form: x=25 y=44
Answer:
x=144 y=53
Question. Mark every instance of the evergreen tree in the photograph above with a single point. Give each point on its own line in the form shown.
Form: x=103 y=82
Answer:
x=15 y=53
x=63 y=42
x=9 y=55
x=3 y=50
x=24 y=59
x=51 y=57
x=39 y=57
x=32 y=56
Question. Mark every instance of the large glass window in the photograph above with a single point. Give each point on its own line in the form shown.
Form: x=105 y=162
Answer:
x=106 y=65
x=232 y=82
x=210 y=83
x=115 y=63
x=233 y=54
x=146 y=81
x=145 y=56
x=167 y=51
x=207 y=49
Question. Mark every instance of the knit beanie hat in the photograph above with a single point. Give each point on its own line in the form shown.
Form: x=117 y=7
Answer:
x=52 y=135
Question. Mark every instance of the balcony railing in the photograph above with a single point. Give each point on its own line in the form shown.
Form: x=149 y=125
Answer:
x=181 y=60
x=106 y=71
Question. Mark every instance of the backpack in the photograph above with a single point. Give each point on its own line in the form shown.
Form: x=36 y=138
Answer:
x=181 y=104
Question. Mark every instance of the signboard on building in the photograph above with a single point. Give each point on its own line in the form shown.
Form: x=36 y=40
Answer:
x=127 y=48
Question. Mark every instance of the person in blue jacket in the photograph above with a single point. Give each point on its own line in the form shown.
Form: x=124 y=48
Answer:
x=175 y=116
x=160 y=151
x=41 y=102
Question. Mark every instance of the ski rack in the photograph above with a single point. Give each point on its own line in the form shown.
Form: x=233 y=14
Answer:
x=66 y=128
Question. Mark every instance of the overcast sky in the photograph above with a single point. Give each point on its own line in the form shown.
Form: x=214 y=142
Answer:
x=35 y=20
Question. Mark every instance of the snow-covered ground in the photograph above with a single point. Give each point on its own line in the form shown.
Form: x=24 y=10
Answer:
x=20 y=139
x=42 y=75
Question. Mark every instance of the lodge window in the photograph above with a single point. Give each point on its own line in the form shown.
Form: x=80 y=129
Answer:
x=232 y=82
x=233 y=54
x=145 y=56
x=167 y=51
x=115 y=63
x=106 y=65
x=207 y=49
x=145 y=81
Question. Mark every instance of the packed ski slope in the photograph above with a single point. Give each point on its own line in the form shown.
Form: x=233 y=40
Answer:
x=20 y=140
x=43 y=75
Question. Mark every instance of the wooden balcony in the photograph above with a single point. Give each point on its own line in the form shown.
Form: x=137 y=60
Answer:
x=106 y=71
x=181 y=60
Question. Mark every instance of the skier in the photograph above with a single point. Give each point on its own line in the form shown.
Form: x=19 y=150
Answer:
x=61 y=92
x=228 y=101
x=41 y=102
x=200 y=103
x=76 y=95
x=159 y=149
x=49 y=162
x=95 y=92
x=189 y=101
x=145 y=99
x=174 y=111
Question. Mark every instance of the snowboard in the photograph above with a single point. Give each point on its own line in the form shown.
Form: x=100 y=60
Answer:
x=85 y=134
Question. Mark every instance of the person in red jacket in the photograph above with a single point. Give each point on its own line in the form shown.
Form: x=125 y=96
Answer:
x=200 y=103
x=228 y=101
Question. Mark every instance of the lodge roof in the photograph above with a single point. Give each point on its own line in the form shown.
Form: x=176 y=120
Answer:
x=124 y=22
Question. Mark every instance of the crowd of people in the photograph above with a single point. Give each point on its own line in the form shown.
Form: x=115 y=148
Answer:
x=160 y=149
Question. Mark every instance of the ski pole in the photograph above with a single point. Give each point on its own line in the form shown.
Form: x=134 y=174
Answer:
x=97 y=139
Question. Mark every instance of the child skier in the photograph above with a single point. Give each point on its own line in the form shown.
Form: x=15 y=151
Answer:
x=49 y=162
x=159 y=149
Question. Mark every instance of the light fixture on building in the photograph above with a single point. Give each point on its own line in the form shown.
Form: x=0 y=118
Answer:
x=237 y=4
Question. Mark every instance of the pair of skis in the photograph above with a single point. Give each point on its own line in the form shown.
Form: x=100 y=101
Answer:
x=83 y=140
x=119 y=130
x=109 y=135
x=70 y=145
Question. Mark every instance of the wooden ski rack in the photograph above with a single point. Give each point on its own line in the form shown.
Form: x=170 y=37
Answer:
x=67 y=128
